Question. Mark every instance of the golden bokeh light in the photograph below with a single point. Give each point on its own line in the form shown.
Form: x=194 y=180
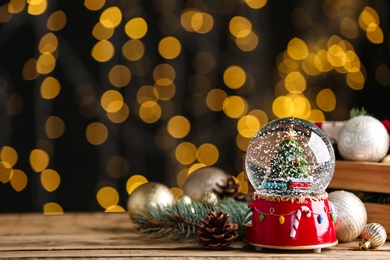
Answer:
x=94 y=5
x=5 y=14
x=39 y=160
x=355 y=80
x=185 y=153
x=56 y=21
x=321 y=61
x=6 y=172
x=119 y=76
x=368 y=17
x=182 y=176
x=176 y=192
x=256 y=4
x=349 y=28
x=297 y=49
x=136 y=28
x=48 y=43
x=240 y=26
x=282 y=106
x=120 y=115
x=133 y=50
x=111 y=17
x=326 y=100
x=295 y=82
x=215 y=99
x=50 y=180
x=243 y=183
x=103 y=51
x=115 y=209
x=248 y=43
x=107 y=196
x=207 y=154
x=15 y=6
x=202 y=22
x=50 y=88
x=101 y=32
x=242 y=142
x=234 y=77
x=30 y=70
x=19 y=180
x=111 y=101
x=45 y=63
x=169 y=47
x=9 y=155
x=96 y=133
x=178 y=126
x=164 y=92
x=54 y=127
x=164 y=74
x=52 y=208
x=234 y=106
x=150 y=112
x=134 y=182
x=248 y=126
x=36 y=7
x=375 y=34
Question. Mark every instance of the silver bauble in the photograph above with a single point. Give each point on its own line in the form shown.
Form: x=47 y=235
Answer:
x=153 y=193
x=351 y=215
x=363 y=138
x=202 y=180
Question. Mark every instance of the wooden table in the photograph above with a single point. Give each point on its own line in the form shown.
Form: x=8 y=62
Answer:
x=110 y=235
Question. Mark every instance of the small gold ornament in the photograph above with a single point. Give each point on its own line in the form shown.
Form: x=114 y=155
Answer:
x=153 y=193
x=209 y=198
x=386 y=159
x=373 y=235
x=205 y=179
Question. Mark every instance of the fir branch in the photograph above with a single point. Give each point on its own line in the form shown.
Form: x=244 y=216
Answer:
x=358 y=112
x=180 y=221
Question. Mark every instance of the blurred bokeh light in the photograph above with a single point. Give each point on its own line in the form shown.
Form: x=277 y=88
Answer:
x=99 y=96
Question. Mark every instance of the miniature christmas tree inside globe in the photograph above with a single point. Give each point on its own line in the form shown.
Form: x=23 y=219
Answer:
x=290 y=157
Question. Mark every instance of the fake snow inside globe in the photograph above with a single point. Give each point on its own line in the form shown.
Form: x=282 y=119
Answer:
x=290 y=163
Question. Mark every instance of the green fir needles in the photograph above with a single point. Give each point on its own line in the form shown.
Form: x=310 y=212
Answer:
x=180 y=220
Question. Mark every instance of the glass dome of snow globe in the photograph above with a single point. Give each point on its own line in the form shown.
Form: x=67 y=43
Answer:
x=290 y=157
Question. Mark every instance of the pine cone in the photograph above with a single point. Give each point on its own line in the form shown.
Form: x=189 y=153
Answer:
x=230 y=189
x=215 y=230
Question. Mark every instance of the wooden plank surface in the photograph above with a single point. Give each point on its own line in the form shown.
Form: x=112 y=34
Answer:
x=110 y=235
x=361 y=176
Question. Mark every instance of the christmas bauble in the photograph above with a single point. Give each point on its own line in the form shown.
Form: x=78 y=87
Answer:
x=209 y=198
x=373 y=235
x=363 y=138
x=386 y=159
x=202 y=180
x=153 y=193
x=351 y=215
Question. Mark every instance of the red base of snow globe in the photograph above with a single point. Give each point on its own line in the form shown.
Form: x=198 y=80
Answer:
x=292 y=223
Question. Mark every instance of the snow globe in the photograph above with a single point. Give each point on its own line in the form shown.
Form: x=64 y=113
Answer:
x=290 y=163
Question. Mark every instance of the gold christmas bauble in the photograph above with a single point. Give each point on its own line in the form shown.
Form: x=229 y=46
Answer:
x=386 y=159
x=351 y=215
x=209 y=198
x=202 y=180
x=153 y=193
x=373 y=235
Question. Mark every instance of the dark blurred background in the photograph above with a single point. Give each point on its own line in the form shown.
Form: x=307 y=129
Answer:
x=98 y=95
